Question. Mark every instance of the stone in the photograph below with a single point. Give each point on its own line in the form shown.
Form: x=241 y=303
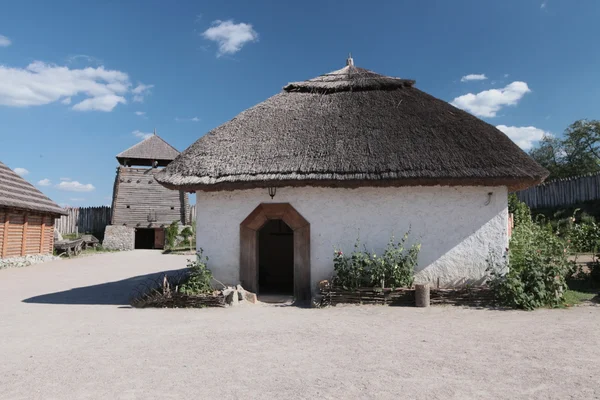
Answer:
x=240 y=292
x=231 y=297
x=25 y=261
x=250 y=297
x=119 y=237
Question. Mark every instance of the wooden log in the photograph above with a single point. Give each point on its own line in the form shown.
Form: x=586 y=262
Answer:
x=422 y=295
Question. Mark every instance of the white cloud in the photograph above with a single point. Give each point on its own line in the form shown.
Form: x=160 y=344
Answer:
x=523 y=136
x=489 y=102
x=506 y=75
x=473 y=77
x=140 y=113
x=230 y=37
x=140 y=134
x=21 y=171
x=4 y=41
x=45 y=182
x=193 y=119
x=74 y=186
x=66 y=100
x=140 y=91
x=543 y=5
x=40 y=83
x=101 y=103
x=83 y=59
x=66 y=179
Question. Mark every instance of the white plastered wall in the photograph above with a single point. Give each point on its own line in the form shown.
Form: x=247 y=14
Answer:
x=458 y=227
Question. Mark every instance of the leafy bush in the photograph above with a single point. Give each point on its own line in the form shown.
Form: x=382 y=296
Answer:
x=187 y=234
x=585 y=237
x=395 y=268
x=521 y=212
x=199 y=276
x=535 y=272
x=171 y=233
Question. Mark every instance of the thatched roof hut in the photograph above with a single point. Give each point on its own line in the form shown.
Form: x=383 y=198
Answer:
x=350 y=154
x=26 y=217
x=349 y=128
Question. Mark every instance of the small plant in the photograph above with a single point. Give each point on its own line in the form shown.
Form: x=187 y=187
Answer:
x=395 y=268
x=171 y=233
x=199 y=276
x=351 y=272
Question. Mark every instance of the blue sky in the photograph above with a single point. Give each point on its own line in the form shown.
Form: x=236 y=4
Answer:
x=82 y=81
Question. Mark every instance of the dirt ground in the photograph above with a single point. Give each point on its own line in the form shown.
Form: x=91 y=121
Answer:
x=67 y=333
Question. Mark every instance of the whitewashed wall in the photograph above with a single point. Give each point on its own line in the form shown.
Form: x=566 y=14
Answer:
x=455 y=227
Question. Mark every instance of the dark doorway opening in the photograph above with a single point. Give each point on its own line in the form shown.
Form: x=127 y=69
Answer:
x=276 y=258
x=144 y=238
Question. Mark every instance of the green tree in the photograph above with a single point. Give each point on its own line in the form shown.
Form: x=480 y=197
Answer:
x=578 y=153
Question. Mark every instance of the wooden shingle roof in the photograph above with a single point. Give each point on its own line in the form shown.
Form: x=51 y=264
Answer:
x=153 y=148
x=16 y=192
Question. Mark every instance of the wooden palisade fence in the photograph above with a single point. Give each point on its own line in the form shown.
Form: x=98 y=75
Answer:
x=192 y=215
x=562 y=192
x=84 y=220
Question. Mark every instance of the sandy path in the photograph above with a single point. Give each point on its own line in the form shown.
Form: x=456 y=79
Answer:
x=73 y=339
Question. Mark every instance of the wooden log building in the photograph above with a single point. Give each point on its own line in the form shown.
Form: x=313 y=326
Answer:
x=26 y=217
x=141 y=203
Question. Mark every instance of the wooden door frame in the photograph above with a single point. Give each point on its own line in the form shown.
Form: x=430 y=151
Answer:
x=249 y=229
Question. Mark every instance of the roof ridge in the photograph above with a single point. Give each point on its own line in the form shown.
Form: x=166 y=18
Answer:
x=349 y=78
x=17 y=192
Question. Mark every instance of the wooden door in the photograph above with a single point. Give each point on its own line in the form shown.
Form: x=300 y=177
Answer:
x=159 y=238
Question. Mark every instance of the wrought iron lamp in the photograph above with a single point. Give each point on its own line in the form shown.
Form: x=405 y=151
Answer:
x=272 y=191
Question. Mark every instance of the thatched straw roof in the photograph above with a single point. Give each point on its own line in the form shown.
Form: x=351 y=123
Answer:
x=153 y=148
x=16 y=192
x=350 y=128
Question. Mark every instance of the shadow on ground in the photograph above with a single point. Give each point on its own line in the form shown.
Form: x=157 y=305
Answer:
x=109 y=293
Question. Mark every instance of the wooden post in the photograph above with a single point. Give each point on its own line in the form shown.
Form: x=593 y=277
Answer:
x=5 y=241
x=42 y=234
x=24 y=236
x=422 y=295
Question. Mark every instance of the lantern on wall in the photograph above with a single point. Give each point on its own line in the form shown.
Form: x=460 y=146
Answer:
x=272 y=191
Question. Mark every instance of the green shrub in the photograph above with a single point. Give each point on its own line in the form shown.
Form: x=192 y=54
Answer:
x=187 y=234
x=351 y=272
x=535 y=273
x=171 y=233
x=585 y=237
x=199 y=276
x=520 y=211
x=395 y=268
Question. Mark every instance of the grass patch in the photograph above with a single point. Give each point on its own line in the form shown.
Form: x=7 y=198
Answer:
x=575 y=297
x=180 y=250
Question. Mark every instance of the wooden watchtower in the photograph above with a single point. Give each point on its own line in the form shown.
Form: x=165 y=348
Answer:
x=141 y=203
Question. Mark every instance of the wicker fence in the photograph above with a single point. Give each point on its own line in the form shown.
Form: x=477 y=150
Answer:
x=562 y=192
x=84 y=220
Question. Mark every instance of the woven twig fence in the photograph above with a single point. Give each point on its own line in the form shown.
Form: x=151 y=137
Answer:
x=469 y=296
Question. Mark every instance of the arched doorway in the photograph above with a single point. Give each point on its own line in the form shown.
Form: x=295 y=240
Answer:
x=250 y=230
